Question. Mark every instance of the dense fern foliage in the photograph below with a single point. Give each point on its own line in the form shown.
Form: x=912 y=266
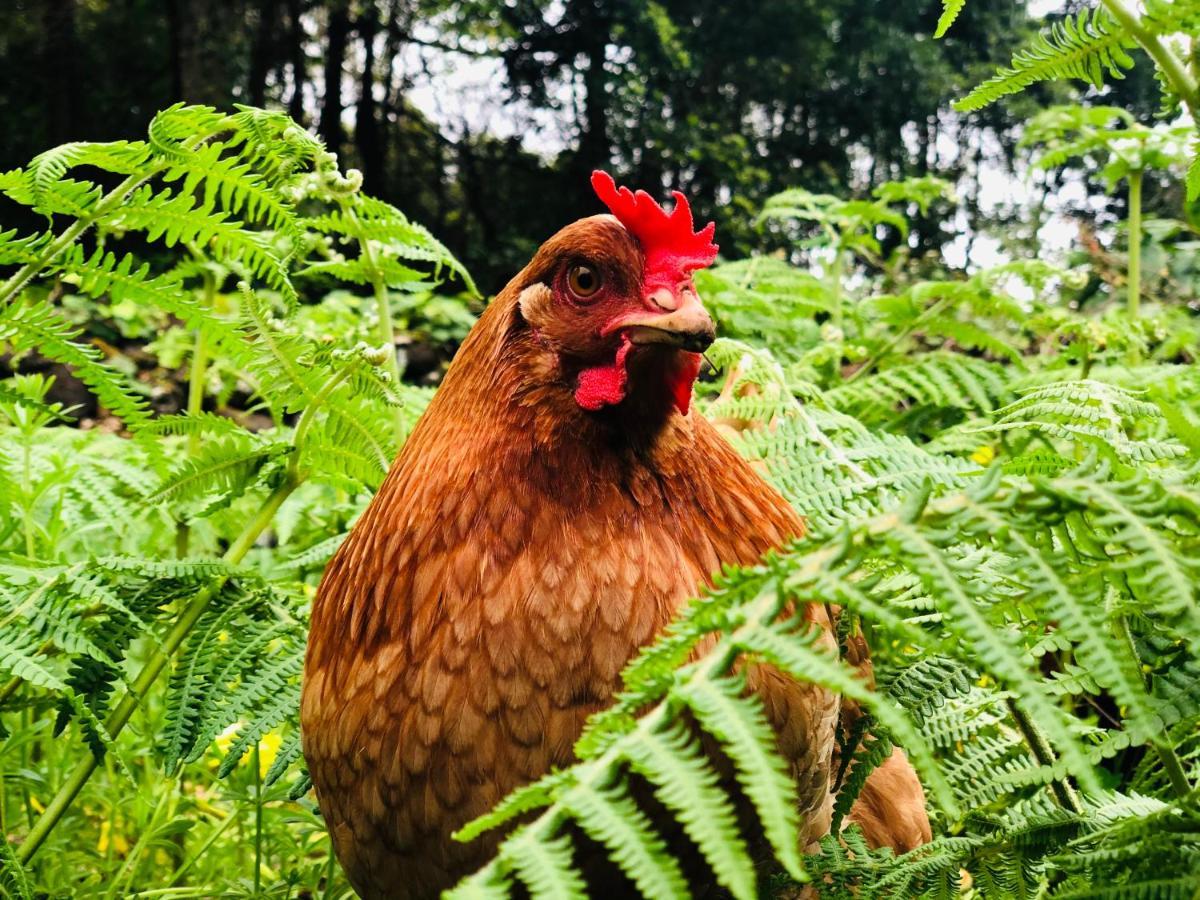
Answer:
x=124 y=556
x=1000 y=469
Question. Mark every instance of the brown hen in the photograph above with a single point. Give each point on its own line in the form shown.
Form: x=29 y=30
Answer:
x=552 y=510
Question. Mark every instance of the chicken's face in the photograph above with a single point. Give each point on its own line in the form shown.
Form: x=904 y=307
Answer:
x=612 y=296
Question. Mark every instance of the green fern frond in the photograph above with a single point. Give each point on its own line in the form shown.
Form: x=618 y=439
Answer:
x=931 y=380
x=225 y=467
x=1083 y=47
x=544 y=867
x=684 y=782
x=611 y=819
x=27 y=324
x=724 y=710
x=950 y=11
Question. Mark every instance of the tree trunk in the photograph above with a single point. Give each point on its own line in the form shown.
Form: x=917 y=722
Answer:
x=262 y=51
x=60 y=51
x=299 y=60
x=594 y=144
x=337 y=34
x=366 y=122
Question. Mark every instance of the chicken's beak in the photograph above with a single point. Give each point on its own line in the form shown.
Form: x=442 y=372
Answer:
x=675 y=318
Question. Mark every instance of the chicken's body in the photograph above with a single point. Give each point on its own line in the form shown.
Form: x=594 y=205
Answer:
x=520 y=552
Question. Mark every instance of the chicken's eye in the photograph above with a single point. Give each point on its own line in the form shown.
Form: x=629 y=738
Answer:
x=583 y=281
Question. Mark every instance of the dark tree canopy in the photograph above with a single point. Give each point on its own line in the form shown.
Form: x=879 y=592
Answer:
x=731 y=102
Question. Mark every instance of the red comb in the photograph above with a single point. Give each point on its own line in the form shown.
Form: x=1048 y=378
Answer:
x=670 y=247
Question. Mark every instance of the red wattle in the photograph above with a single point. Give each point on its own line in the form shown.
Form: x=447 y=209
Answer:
x=604 y=385
x=683 y=379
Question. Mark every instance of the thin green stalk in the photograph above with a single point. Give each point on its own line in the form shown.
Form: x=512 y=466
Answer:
x=386 y=332
x=134 y=857
x=212 y=838
x=26 y=799
x=328 y=892
x=1040 y=747
x=107 y=203
x=27 y=487
x=836 y=269
x=162 y=654
x=308 y=416
x=195 y=404
x=1171 y=763
x=1134 y=274
x=1168 y=63
x=258 y=820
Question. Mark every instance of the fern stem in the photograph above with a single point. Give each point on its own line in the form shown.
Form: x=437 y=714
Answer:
x=1040 y=747
x=836 y=271
x=1166 y=753
x=27 y=272
x=383 y=309
x=309 y=414
x=1168 y=63
x=1134 y=274
x=258 y=819
x=154 y=666
x=899 y=336
x=27 y=487
x=195 y=404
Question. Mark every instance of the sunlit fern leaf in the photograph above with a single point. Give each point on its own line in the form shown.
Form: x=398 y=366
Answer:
x=521 y=800
x=685 y=783
x=932 y=379
x=188 y=570
x=192 y=685
x=1159 y=573
x=765 y=300
x=544 y=866
x=724 y=710
x=791 y=650
x=1085 y=46
x=867 y=753
x=993 y=647
x=224 y=468
x=16 y=250
x=1037 y=462
x=62 y=196
x=203 y=423
x=14 y=879
x=834 y=471
x=950 y=11
x=395 y=275
x=312 y=556
x=178 y=218
x=21 y=656
x=246 y=679
x=971 y=336
x=272 y=711
x=924 y=685
x=1090 y=413
x=27 y=324
x=269 y=139
x=1073 y=603
x=47 y=169
x=290 y=753
x=613 y=820
x=123 y=279
x=219 y=177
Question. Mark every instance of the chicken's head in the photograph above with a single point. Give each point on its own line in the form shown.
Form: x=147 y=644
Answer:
x=612 y=296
